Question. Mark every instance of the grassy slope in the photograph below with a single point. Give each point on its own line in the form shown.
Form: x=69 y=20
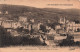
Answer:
x=40 y=14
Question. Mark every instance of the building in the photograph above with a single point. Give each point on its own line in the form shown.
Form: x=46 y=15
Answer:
x=10 y=24
x=39 y=25
x=16 y=25
x=23 y=19
x=51 y=32
x=57 y=27
x=73 y=27
x=6 y=12
x=32 y=20
x=62 y=20
x=7 y=23
x=69 y=26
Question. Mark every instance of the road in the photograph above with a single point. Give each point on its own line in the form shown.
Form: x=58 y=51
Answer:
x=39 y=48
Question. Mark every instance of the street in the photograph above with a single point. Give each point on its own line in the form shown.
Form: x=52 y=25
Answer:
x=39 y=48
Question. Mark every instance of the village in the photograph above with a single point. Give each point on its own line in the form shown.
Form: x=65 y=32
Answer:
x=23 y=26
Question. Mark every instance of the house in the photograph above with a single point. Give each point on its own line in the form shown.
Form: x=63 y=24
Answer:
x=10 y=24
x=7 y=23
x=57 y=27
x=32 y=20
x=39 y=25
x=23 y=19
x=51 y=32
x=73 y=27
x=6 y=12
x=62 y=20
x=16 y=25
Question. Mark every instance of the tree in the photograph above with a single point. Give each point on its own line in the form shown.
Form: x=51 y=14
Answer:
x=43 y=28
x=78 y=30
x=5 y=38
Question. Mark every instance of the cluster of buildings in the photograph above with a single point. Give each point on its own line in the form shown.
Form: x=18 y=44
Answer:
x=68 y=26
x=62 y=26
x=5 y=12
x=10 y=25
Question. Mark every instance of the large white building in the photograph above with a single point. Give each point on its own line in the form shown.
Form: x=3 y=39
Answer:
x=69 y=25
x=73 y=27
x=10 y=24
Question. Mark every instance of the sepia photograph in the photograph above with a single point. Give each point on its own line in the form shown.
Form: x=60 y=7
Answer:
x=39 y=25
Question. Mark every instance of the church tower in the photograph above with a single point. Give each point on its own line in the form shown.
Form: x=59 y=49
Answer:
x=62 y=20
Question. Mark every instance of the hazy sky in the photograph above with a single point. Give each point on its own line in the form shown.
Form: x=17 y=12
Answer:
x=63 y=4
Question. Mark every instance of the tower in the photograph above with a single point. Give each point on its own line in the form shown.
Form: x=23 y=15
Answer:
x=62 y=20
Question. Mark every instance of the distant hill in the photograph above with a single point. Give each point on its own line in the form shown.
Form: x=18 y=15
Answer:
x=39 y=14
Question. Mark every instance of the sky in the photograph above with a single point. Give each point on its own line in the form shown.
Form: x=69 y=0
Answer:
x=62 y=4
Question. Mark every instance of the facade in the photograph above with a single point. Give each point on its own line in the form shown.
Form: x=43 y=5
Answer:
x=6 y=12
x=10 y=24
x=32 y=20
x=51 y=32
x=57 y=27
x=73 y=27
x=69 y=26
x=38 y=26
x=62 y=20
x=7 y=23
x=16 y=25
x=23 y=19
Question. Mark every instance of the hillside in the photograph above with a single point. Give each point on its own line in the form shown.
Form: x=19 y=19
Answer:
x=39 y=14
